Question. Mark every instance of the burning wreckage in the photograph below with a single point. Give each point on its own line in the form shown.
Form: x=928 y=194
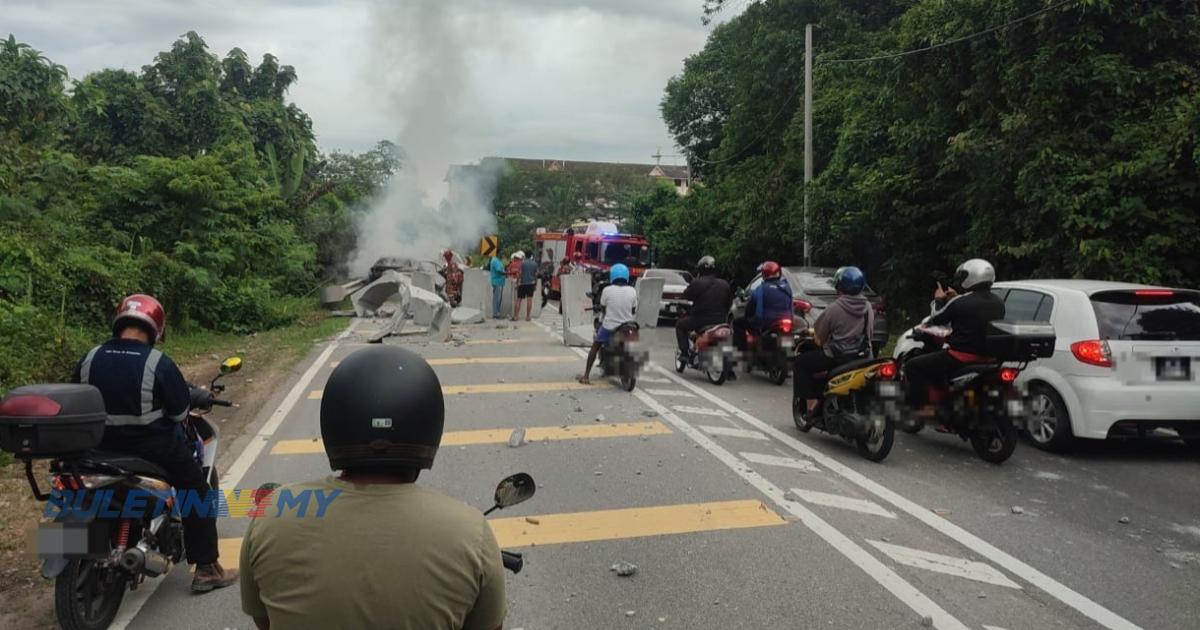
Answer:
x=430 y=293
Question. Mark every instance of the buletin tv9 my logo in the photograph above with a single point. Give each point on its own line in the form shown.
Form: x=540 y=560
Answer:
x=138 y=503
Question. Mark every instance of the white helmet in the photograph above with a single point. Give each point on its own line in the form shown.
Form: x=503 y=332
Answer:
x=976 y=273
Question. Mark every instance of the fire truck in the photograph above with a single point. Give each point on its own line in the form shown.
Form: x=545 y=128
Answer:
x=600 y=245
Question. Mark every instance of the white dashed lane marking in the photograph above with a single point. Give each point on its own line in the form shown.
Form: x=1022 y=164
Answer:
x=958 y=567
x=672 y=393
x=776 y=460
x=845 y=503
x=700 y=411
x=730 y=432
x=655 y=380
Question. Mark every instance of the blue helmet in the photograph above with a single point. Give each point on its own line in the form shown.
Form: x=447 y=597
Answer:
x=849 y=280
x=618 y=272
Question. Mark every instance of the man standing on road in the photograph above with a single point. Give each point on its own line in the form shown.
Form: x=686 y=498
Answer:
x=498 y=277
x=711 y=298
x=146 y=398
x=527 y=277
x=386 y=552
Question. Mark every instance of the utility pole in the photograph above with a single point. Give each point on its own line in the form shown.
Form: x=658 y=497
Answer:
x=808 y=130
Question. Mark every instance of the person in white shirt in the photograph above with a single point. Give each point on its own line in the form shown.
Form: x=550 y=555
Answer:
x=619 y=301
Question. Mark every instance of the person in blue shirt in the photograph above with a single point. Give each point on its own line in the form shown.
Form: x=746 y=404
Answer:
x=770 y=301
x=499 y=275
x=146 y=399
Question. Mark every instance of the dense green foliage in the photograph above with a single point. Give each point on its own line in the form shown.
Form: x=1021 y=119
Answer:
x=192 y=180
x=1065 y=145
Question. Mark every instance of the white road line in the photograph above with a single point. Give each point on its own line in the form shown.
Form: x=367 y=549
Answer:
x=958 y=567
x=700 y=411
x=987 y=627
x=651 y=379
x=1049 y=585
x=886 y=577
x=730 y=432
x=845 y=503
x=134 y=601
x=673 y=393
x=775 y=460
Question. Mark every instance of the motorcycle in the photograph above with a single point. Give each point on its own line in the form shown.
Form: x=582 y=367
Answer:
x=771 y=350
x=859 y=403
x=623 y=355
x=97 y=546
x=710 y=350
x=980 y=402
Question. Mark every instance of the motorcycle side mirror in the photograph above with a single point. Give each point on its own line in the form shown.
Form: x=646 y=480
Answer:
x=512 y=490
x=231 y=365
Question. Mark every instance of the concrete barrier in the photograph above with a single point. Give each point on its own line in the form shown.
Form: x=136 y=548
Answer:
x=424 y=280
x=477 y=291
x=574 y=316
x=510 y=294
x=423 y=305
x=649 y=297
x=369 y=298
x=439 y=326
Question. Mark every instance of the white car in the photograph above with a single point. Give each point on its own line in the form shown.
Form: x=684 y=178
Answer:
x=675 y=282
x=1126 y=359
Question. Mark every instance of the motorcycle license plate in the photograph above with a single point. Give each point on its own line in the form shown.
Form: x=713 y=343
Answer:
x=72 y=540
x=1173 y=368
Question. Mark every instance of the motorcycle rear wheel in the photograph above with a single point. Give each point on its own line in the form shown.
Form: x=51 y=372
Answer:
x=878 y=442
x=88 y=596
x=717 y=375
x=777 y=374
x=799 y=406
x=995 y=446
x=628 y=380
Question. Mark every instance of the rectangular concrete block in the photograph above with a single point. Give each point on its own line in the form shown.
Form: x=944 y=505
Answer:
x=575 y=288
x=579 y=336
x=464 y=315
x=423 y=305
x=424 y=280
x=510 y=295
x=649 y=292
x=439 y=326
x=477 y=291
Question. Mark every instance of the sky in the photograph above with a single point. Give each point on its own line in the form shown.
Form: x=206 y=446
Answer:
x=456 y=80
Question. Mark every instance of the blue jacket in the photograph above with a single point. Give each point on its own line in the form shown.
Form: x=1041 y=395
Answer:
x=144 y=392
x=770 y=301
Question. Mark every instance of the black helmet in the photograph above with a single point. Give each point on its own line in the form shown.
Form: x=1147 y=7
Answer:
x=706 y=263
x=382 y=410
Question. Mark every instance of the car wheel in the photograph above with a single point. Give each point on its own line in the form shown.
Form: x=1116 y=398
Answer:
x=1049 y=426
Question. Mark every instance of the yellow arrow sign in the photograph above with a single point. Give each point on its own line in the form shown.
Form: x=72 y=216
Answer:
x=489 y=245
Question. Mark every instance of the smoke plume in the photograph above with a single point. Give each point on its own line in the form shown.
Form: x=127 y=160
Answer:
x=419 y=71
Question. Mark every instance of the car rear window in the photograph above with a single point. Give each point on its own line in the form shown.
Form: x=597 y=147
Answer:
x=816 y=284
x=669 y=276
x=1148 y=314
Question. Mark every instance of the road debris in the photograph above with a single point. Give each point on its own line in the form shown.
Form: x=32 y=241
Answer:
x=1124 y=520
x=532 y=521
x=624 y=569
x=517 y=438
x=630 y=613
x=1016 y=509
x=650 y=413
x=600 y=418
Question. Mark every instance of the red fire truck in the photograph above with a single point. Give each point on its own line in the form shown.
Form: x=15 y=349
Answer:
x=600 y=244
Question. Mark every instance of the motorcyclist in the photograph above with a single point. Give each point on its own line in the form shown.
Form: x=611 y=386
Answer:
x=147 y=399
x=619 y=302
x=770 y=301
x=842 y=333
x=710 y=297
x=969 y=316
x=356 y=564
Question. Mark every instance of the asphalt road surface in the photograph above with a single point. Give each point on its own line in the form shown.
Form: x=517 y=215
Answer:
x=736 y=520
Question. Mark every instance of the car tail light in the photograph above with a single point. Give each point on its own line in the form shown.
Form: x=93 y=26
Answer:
x=802 y=306
x=1009 y=375
x=29 y=406
x=784 y=326
x=1093 y=352
x=1154 y=293
x=888 y=370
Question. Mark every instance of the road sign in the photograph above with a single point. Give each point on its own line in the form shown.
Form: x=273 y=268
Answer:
x=489 y=245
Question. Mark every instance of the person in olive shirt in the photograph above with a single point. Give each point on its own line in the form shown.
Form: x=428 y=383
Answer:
x=386 y=552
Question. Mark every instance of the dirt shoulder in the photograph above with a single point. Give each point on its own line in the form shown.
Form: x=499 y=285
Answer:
x=27 y=600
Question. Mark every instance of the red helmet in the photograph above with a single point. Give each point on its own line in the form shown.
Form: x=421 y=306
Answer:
x=771 y=270
x=141 y=310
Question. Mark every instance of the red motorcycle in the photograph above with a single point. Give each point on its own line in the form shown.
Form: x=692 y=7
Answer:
x=711 y=351
x=771 y=350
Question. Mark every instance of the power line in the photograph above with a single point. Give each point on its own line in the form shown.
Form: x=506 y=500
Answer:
x=906 y=53
x=956 y=40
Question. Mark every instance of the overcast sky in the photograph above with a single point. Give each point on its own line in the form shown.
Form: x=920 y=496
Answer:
x=572 y=79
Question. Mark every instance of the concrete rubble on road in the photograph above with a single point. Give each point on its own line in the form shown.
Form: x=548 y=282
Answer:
x=624 y=569
x=465 y=315
x=517 y=438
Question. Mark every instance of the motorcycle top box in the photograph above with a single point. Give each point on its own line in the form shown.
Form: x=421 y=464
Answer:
x=55 y=420
x=1020 y=341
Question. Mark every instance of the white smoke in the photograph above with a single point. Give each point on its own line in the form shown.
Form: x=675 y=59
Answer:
x=419 y=70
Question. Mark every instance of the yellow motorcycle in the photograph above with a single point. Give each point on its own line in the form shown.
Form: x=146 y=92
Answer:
x=860 y=403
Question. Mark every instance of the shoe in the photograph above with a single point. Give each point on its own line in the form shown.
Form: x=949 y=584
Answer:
x=210 y=577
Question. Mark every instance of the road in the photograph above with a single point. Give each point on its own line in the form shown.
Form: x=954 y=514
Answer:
x=736 y=520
